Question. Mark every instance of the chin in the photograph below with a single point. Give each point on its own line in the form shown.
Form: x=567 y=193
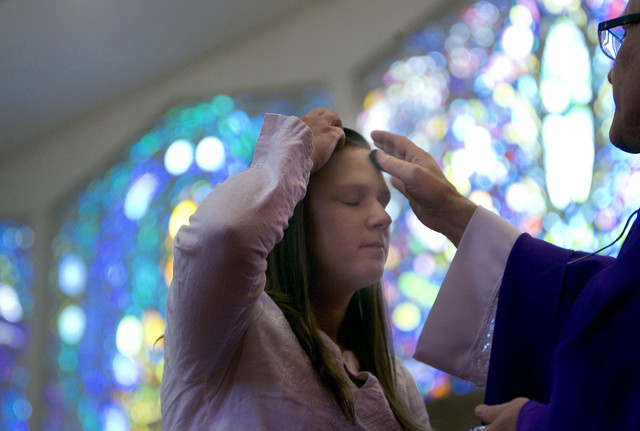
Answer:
x=371 y=277
x=631 y=146
x=623 y=138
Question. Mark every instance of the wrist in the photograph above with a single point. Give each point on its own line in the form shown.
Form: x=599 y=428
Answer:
x=457 y=219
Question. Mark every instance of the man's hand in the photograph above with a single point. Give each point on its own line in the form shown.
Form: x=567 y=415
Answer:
x=327 y=134
x=434 y=200
x=501 y=417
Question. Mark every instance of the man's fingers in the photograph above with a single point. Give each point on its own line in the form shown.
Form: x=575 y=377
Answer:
x=394 y=166
x=390 y=143
x=501 y=417
x=398 y=184
x=400 y=147
x=487 y=413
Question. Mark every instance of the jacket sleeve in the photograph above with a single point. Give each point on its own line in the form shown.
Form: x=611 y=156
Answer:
x=220 y=256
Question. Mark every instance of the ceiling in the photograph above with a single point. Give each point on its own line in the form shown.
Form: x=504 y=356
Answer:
x=60 y=58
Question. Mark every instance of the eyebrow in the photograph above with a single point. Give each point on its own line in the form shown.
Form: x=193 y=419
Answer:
x=384 y=194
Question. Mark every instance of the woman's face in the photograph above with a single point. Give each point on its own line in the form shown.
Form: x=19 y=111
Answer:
x=625 y=128
x=347 y=222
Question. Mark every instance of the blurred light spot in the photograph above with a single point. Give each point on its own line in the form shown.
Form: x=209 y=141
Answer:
x=129 y=336
x=125 y=370
x=520 y=15
x=554 y=95
x=557 y=6
x=424 y=265
x=406 y=316
x=113 y=419
x=12 y=336
x=10 y=307
x=568 y=138
x=153 y=327
x=503 y=94
x=71 y=324
x=417 y=288
x=517 y=41
x=72 y=274
x=210 y=154
x=139 y=196
x=179 y=157
x=180 y=216
x=22 y=409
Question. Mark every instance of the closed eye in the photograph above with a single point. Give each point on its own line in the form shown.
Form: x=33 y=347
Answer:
x=352 y=203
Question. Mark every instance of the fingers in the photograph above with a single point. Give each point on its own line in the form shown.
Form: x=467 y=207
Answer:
x=501 y=417
x=489 y=414
x=321 y=120
x=403 y=159
x=400 y=147
x=396 y=167
x=409 y=172
x=331 y=117
x=395 y=145
x=328 y=134
x=398 y=184
x=390 y=143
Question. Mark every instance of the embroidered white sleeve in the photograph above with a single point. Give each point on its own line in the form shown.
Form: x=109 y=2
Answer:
x=478 y=367
x=457 y=335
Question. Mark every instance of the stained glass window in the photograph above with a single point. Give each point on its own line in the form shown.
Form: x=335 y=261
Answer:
x=512 y=100
x=113 y=258
x=487 y=91
x=16 y=308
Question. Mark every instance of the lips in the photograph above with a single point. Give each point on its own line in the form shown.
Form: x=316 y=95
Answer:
x=375 y=244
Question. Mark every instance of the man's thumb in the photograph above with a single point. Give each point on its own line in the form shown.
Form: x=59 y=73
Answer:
x=387 y=163
x=487 y=413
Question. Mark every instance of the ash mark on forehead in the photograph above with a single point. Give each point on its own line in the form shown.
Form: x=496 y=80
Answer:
x=374 y=161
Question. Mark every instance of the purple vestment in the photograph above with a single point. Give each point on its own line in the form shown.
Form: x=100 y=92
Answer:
x=568 y=337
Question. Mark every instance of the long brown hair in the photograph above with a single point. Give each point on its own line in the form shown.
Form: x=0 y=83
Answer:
x=364 y=329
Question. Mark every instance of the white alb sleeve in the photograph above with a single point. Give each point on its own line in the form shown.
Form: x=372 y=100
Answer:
x=458 y=332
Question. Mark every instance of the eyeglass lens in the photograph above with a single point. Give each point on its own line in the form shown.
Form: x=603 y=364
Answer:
x=610 y=43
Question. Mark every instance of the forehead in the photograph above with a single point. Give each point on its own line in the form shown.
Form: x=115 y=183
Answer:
x=348 y=165
x=632 y=7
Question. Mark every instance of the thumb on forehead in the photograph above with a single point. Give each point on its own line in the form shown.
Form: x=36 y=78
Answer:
x=387 y=163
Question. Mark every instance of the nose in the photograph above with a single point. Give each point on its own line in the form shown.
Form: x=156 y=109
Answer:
x=609 y=76
x=379 y=219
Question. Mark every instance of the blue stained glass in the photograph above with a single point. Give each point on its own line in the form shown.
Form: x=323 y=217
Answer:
x=521 y=73
x=111 y=296
x=16 y=309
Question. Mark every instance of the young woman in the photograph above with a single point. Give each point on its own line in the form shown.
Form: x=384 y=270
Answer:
x=275 y=317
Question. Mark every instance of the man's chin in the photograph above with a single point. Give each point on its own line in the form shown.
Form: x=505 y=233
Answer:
x=628 y=146
x=624 y=138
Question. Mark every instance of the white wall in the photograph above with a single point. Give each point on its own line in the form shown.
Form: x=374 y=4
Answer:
x=327 y=44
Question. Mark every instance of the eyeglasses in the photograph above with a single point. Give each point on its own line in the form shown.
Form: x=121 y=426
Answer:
x=611 y=35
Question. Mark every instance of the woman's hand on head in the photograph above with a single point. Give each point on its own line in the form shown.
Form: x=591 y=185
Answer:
x=434 y=200
x=328 y=134
x=501 y=417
